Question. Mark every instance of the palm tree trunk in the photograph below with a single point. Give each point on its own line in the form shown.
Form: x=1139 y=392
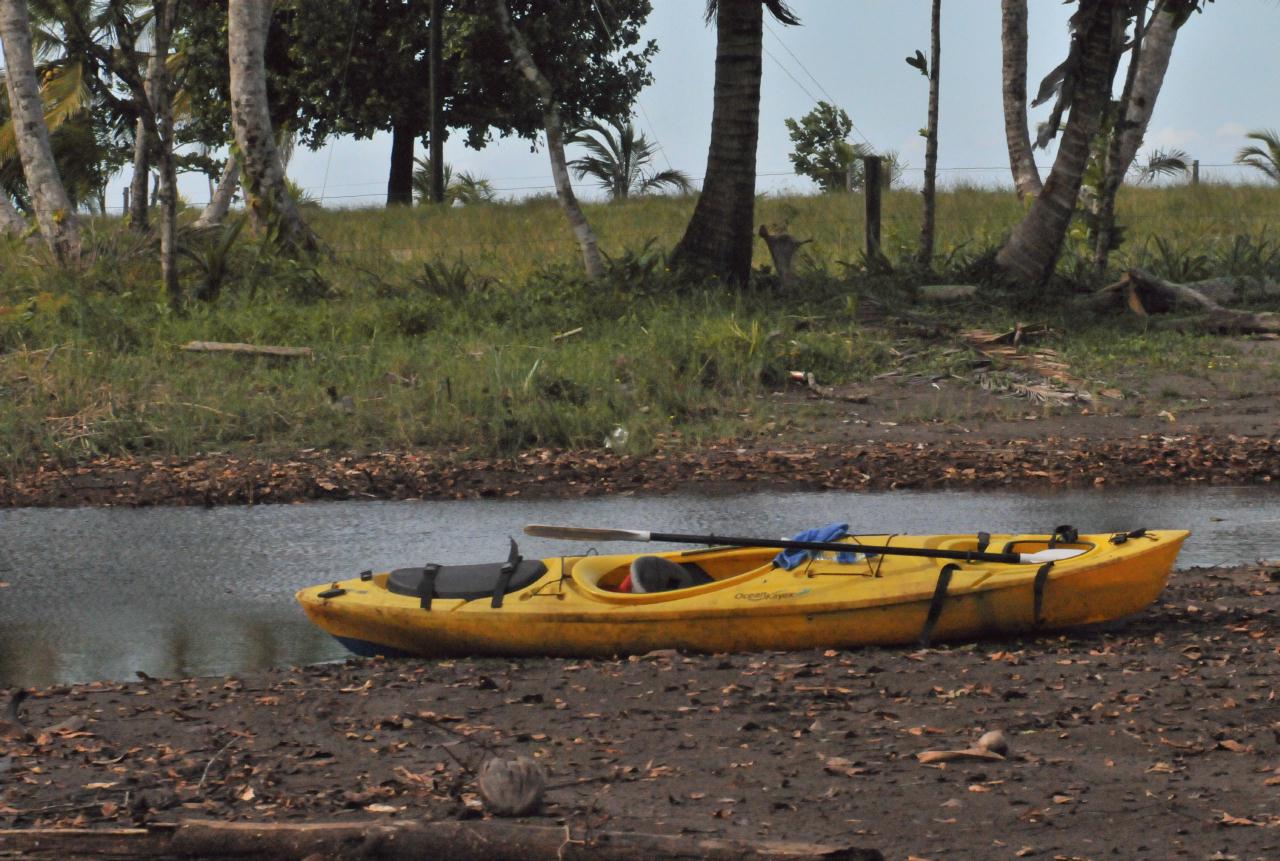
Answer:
x=925 y=255
x=138 y=208
x=1031 y=252
x=266 y=195
x=1013 y=42
x=555 y=142
x=1157 y=48
x=400 y=180
x=55 y=213
x=165 y=13
x=220 y=201
x=720 y=233
x=1113 y=169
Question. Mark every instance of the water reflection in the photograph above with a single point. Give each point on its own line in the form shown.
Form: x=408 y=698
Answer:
x=48 y=653
x=102 y=593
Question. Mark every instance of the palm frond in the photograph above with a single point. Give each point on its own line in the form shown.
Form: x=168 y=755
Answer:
x=616 y=157
x=64 y=93
x=677 y=180
x=1162 y=162
x=1266 y=157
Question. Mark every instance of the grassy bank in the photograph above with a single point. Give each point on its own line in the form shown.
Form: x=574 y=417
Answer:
x=439 y=328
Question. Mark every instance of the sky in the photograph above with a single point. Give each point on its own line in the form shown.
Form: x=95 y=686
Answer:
x=1221 y=84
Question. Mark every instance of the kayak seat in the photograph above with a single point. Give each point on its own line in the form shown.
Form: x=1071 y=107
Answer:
x=468 y=582
x=655 y=574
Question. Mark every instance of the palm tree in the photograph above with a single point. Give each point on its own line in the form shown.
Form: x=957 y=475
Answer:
x=266 y=194
x=1013 y=43
x=88 y=37
x=1153 y=63
x=617 y=157
x=1029 y=255
x=55 y=213
x=72 y=139
x=1148 y=63
x=719 y=236
x=1265 y=158
x=465 y=188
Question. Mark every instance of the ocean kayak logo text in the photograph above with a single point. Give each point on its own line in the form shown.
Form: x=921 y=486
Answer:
x=779 y=595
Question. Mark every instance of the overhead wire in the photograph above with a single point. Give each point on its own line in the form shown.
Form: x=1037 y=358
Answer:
x=830 y=98
x=640 y=104
x=787 y=72
x=346 y=68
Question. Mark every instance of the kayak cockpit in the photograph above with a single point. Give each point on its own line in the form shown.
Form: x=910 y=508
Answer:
x=667 y=576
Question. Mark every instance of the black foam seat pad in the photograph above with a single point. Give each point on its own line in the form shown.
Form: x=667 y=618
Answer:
x=466 y=581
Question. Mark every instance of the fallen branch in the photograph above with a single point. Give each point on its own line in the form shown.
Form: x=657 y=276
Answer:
x=569 y=334
x=1145 y=294
x=204 y=775
x=852 y=394
x=247 y=349
x=473 y=840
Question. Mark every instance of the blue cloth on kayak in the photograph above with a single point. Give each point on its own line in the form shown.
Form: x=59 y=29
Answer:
x=789 y=559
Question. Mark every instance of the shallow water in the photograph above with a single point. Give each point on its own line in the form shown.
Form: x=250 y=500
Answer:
x=104 y=593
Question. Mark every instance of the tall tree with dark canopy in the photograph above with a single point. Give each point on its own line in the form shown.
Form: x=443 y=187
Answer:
x=719 y=237
x=359 y=67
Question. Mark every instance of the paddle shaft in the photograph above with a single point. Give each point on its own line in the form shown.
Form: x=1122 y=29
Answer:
x=838 y=547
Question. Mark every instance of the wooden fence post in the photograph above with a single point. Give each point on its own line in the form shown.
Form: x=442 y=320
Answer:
x=872 y=186
x=1195 y=172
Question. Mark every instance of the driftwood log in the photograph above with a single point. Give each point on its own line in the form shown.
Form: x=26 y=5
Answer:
x=247 y=349
x=1199 y=303
x=478 y=840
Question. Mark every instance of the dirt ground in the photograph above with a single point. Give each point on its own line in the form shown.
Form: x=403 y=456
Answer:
x=1157 y=738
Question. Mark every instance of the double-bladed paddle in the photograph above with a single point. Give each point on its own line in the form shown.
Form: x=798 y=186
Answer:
x=583 y=533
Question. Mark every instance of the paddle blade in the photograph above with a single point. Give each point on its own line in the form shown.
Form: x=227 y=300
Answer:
x=1052 y=554
x=583 y=533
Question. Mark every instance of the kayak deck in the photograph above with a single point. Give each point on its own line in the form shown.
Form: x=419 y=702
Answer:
x=575 y=608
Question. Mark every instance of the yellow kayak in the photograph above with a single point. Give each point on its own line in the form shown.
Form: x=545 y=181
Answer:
x=725 y=599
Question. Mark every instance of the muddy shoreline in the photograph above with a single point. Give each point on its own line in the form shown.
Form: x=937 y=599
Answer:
x=1154 y=738
x=968 y=462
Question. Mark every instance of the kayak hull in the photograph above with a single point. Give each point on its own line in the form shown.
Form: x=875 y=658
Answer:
x=572 y=610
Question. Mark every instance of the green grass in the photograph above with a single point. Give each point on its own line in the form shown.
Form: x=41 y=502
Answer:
x=511 y=242
x=440 y=326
